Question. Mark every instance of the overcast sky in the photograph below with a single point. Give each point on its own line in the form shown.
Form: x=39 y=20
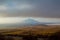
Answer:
x=12 y=11
x=30 y=8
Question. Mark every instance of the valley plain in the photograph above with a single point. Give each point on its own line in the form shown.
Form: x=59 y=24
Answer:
x=39 y=32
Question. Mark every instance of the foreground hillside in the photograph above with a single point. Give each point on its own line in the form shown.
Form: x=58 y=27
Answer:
x=35 y=31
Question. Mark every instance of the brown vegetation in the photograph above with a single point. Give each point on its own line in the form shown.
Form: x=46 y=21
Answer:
x=32 y=33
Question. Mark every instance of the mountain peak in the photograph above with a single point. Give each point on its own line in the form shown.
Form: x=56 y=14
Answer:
x=30 y=21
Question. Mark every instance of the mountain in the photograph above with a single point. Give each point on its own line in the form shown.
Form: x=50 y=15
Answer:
x=27 y=22
x=30 y=22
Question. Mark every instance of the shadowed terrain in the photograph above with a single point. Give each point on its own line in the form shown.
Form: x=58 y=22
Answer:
x=39 y=32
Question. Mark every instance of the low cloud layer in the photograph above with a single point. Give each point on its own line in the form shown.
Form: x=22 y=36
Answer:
x=7 y=20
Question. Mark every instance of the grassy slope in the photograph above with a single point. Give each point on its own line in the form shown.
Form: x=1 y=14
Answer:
x=48 y=30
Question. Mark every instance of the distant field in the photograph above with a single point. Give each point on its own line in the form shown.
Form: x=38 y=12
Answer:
x=43 y=30
x=40 y=32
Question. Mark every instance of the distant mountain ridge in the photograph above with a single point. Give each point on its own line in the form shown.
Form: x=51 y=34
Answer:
x=32 y=22
x=28 y=22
